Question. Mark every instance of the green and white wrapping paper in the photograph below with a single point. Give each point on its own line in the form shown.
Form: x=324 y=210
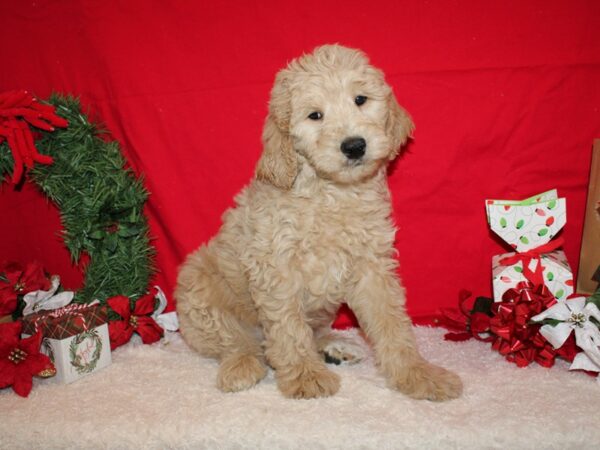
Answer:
x=528 y=223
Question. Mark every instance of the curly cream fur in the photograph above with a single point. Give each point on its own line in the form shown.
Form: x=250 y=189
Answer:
x=313 y=229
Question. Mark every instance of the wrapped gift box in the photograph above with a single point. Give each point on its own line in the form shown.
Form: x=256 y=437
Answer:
x=558 y=276
x=528 y=226
x=75 y=338
x=528 y=223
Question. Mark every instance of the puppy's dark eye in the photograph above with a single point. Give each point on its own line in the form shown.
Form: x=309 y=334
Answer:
x=360 y=100
x=316 y=115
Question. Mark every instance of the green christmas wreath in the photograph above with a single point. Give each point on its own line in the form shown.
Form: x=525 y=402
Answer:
x=101 y=202
x=76 y=359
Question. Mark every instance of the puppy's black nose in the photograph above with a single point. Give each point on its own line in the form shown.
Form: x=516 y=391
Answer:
x=354 y=147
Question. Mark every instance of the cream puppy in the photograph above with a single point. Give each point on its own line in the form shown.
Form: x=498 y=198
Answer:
x=311 y=230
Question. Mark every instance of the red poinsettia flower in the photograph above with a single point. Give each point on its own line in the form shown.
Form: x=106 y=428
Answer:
x=20 y=359
x=139 y=320
x=17 y=281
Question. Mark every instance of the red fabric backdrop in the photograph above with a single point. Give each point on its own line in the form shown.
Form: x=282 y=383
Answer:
x=505 y=96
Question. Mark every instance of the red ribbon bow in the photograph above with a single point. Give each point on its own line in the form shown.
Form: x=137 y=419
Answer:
x=517 y=339
x=507 y=325
x=466 y=323
x=535 y=277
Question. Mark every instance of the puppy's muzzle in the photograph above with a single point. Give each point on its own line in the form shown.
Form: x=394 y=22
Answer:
x=354 y=147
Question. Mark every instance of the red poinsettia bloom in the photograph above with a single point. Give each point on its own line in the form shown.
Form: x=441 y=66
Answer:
x=20 y=359
x=139 y=320
x=17 y=281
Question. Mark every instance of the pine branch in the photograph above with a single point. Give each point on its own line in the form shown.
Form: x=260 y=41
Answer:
x=100 y=201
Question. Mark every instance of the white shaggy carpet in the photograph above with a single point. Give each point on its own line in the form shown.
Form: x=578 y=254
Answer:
x=164 y=396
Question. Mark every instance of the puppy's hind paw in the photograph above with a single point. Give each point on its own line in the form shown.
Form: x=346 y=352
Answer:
x=427 y=381
x=240 y=372
x=337 y=349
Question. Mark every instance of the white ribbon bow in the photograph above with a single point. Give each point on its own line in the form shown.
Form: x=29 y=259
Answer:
x=45 y=300
x=167 y=321
x=574 y=315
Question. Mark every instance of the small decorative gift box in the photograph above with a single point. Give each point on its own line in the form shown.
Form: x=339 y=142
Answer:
x=528 y=226
x=75 y=338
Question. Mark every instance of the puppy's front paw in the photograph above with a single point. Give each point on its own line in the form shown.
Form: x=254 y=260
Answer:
x=426 y=381
x=239 y=372
x=308 y=382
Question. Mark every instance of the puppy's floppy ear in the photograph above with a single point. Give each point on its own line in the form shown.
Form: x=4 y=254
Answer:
x=399 y=126
x=278 y=164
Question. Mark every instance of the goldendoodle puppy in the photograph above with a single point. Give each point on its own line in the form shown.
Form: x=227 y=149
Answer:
x=311 y=230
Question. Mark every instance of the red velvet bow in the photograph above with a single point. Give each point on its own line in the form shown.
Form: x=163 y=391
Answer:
x=18 y=110
x=466 y=323
x=535 y=277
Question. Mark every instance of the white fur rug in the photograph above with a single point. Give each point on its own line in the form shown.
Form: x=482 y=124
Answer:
x=164 y=396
